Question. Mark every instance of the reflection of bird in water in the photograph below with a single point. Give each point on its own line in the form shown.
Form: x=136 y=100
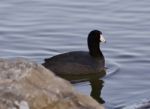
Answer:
x=95 y=82
x=97 y=86
x=80 y=62
x=79 y=66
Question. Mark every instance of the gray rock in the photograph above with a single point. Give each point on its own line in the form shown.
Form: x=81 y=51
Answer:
x=27 y=85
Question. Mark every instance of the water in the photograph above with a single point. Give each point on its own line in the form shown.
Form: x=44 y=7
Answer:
x=37 y=29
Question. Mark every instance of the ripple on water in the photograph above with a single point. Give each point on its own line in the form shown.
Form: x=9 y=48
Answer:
x=144 y=104
x=111 y=69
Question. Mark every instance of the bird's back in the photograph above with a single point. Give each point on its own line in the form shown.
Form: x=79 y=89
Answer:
x=75 y=63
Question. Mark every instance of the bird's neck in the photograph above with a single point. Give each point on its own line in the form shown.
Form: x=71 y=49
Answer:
x=95 y=51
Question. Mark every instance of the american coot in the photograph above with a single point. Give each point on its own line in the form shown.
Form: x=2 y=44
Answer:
x=80 y=62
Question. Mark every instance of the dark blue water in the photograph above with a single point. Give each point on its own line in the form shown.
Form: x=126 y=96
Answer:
x=37 y=29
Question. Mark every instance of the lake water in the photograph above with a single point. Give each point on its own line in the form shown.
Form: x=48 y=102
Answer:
x=38 y=29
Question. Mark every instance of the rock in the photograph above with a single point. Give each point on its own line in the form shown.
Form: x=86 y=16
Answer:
x=27 y=85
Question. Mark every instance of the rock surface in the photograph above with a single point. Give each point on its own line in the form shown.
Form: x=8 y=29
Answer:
x=27 y=85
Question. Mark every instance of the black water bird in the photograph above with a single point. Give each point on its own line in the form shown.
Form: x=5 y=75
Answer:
x=80 y=63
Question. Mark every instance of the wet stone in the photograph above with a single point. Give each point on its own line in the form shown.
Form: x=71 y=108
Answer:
x=28 y=85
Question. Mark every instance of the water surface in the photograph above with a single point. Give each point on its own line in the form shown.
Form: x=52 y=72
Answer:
x=38 y=29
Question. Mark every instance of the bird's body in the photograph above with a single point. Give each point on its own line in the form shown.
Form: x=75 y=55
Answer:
x=75 y=63
x=80 y=62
